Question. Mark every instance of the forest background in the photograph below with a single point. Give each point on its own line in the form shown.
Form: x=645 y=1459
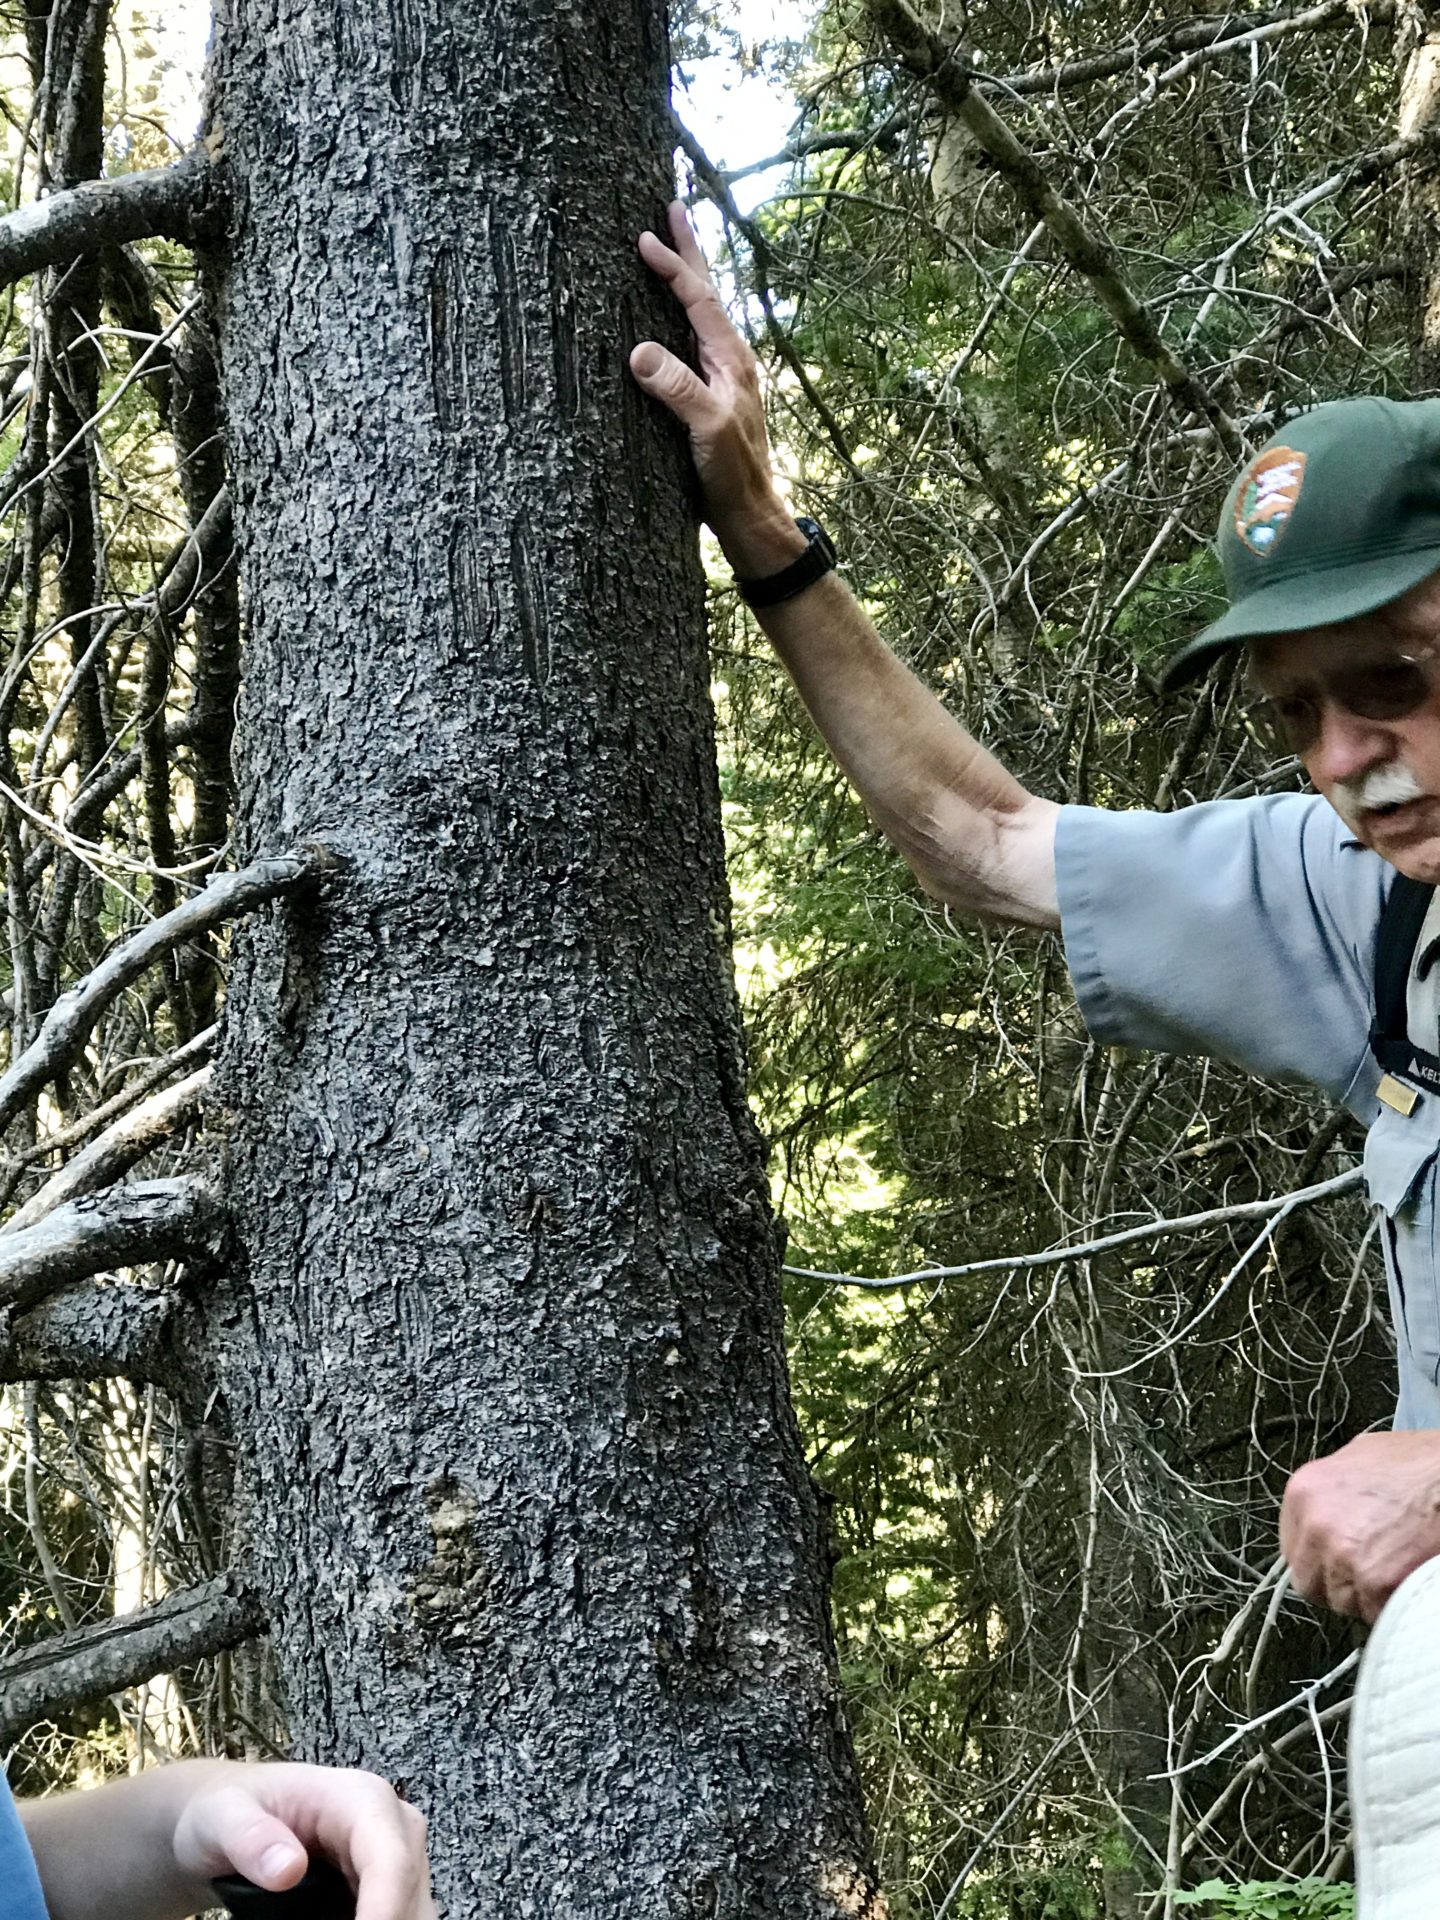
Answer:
x=1062 y=1320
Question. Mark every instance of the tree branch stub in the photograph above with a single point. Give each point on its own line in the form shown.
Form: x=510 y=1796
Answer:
x=175 y=201
x=74 y=1014
x=96 y=1330
x=126 y=1226
x=99 y=1659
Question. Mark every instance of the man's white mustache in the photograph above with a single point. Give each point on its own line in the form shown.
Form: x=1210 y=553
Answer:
x=1387 y=786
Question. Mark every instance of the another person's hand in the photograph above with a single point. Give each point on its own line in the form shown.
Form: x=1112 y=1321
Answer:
x=1356 y=1522
x=722 y=411
x=148 y=1847
x=266 y=1821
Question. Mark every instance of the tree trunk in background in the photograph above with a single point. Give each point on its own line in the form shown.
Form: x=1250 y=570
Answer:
x=1419 y=49
x=503 y=1338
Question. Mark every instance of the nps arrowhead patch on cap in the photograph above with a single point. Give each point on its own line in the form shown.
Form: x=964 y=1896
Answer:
x=1369 y=530
x=1266 y=497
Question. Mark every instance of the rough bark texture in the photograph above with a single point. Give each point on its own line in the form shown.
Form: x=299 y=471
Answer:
x=504 y=1331
x=123 y=1227
x=1419 y=107
x=97 y=1330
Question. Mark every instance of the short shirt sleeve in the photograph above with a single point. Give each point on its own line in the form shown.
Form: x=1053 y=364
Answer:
x=1242 y=929
x=20 y=1895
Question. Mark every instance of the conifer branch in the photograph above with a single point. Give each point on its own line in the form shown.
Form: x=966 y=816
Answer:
x=100 y=1659
x=172 y=201
x=932 y=57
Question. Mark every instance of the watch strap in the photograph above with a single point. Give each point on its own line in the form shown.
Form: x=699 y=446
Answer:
x=818 y=559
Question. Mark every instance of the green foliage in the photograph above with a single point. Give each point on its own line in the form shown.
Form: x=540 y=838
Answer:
x=1309 y=1899
x=1046 y=1518
x=1062 y=1892
x=1177 y=599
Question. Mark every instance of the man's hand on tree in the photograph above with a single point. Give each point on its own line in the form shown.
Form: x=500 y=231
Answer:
x=720 y=407
x=1356 y=1522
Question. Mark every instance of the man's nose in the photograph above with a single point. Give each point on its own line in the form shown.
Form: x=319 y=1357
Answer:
x=1348 y=747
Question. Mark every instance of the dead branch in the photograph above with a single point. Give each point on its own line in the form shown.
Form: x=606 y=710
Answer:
x=117 y=1150
x=1088 y=1249
x=191 y=1055
x=881 y=137
x=172 y=201
x=96 y=1660
x=90 y=803
x=1360 y=171
x=1089 y=251
x=1303 y=1698
x=1208 y=38
x=151 y=1220
x=198 y=559
x=95 y=1330
x=73 y=1015
x=198 y=425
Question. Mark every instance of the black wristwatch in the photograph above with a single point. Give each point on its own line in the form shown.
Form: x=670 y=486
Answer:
x=818 y=559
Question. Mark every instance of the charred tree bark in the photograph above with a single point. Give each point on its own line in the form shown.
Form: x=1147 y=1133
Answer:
x=519 y=1483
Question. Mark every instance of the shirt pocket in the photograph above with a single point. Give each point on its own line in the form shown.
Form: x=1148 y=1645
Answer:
x=1399 y=1170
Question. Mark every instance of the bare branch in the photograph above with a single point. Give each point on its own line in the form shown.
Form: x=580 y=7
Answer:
x=105 y=1330
x=1197 y=39
x=1357 y=172
x=198 y=423
x=1207 y=38
x=1307 y=1695
x=73 y=1015
x=166 y=200
x=96 y=1660
x=930 y=57
x=100 y=790
x=152 y=1220
x=191 y=1055
x=118 y=1149
x=1087 y=1249
x=884 y=135
x=197 y=559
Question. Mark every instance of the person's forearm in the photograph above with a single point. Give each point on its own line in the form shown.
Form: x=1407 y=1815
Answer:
x=108 y=1854
x=973 y=835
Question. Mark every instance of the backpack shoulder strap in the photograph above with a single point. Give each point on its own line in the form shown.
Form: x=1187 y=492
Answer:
x=1400 y=923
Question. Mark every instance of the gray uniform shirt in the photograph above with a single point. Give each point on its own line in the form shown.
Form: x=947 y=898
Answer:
x=1245 y=930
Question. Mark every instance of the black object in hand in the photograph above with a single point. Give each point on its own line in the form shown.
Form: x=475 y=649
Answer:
x=324 y=1894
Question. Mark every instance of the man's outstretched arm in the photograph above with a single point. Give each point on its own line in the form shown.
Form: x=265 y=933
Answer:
x=973 y=835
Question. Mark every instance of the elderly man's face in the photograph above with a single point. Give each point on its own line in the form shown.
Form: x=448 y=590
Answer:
x=1360 y=704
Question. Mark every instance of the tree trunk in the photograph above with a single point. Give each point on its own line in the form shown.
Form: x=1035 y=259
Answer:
x=1419 y=103
x=517 y=1469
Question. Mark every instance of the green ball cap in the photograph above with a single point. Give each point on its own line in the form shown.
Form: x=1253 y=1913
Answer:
x=1337 y=515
